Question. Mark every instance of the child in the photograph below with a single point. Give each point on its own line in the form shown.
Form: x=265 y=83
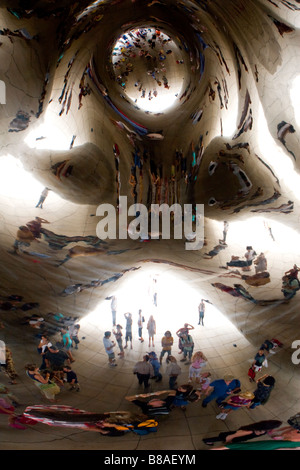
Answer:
x=167 y=343
x=71 y=378
x=198 y=361
x=173 y=370
x=74 y=330
x=118 y=335
x=204 y=381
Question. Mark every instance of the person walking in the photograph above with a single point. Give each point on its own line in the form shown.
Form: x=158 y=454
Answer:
x=144 y=371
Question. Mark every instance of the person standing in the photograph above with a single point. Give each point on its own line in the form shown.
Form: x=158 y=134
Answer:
x=118 y=335
x=201 y=310
x=113 y=306
x=67 y=343
x=144 y=371
x=225 y=230
x=173 y=370
x=167 y=343
x=128 y=331
x=151 y=327
x=109 y=346
x=43 y=196
x=141 y=320
x=187 y=348
x=71 y=378
x=156 y=366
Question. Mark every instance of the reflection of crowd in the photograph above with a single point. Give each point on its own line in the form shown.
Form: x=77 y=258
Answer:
x=150 y=45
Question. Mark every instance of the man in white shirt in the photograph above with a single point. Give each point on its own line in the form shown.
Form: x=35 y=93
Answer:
x=109 y=346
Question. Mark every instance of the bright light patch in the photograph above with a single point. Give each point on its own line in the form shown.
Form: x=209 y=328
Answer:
x=275 y=157
x=177 y=303
x=151 y=88
x=15 y=182
x=295 y=98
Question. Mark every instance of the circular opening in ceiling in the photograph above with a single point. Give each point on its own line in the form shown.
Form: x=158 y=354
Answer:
x=149 y=67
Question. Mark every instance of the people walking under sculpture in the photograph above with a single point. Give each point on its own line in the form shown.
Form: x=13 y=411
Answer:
x=119 y=335
x=109 y=348
x=128 y=329
x=144 y=371
x=141 y=320
x=220 y=389
x=173 y=370
x=153 y=359
x=167 y=343
x=151 y=327
x=201 y=311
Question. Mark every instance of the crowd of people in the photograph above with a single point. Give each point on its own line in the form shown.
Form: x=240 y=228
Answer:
x=188 y=376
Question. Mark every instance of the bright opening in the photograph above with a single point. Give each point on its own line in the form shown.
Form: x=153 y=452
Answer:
x=149 y=68
x=177 y=303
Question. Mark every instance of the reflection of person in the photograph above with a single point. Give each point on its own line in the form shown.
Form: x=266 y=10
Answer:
x=167 y=343
x=113 y=307
x=234 y=403
x=220 y=389
x=109 y=346
x=184 y=330
x=201 y=310
x=43 y=196
x=115 y=423
x=244 y=433
x=225 y=230
x=144 y=371
x=47 y=388
x=265 y=385
x=128 y=330
x=151 y=327
x=173 y=370
x=260 y=263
